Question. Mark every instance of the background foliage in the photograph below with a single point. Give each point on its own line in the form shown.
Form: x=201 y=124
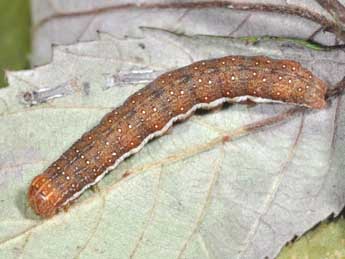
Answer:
x=15 y=36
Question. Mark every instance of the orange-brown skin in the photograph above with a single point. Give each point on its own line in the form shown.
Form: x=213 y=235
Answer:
x=150 y=111
x=43 y=197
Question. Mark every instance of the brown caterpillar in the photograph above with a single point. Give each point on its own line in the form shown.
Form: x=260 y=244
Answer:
x=149 y=112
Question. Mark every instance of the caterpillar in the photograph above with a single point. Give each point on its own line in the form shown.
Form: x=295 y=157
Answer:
x=149 y=113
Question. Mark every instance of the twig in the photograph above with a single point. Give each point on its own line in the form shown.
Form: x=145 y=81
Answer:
x=335 y=8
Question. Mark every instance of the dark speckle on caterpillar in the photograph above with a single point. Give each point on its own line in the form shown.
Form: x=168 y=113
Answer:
x=149 y=112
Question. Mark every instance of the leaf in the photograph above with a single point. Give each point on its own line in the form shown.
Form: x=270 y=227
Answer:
x=326 y=241
x=65 y=22
x=186 y=195
x=15 y=38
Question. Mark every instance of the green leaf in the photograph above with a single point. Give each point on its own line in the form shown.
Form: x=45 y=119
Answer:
x=325 y=241
x=15 y=36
